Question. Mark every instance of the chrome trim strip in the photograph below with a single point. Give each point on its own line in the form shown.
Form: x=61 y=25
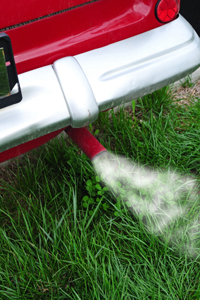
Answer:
x=78 y=94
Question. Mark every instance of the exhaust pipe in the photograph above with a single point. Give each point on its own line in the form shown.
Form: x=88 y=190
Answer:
x=86 y=141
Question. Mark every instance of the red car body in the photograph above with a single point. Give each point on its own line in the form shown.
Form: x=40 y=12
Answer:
x=39 y=36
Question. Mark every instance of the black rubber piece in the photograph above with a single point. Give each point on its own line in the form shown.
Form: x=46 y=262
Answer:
x=190 y=10
x=11 y=99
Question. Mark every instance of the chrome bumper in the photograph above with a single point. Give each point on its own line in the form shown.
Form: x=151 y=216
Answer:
x=75 y=89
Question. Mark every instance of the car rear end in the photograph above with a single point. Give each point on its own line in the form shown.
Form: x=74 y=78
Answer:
x=78 y=58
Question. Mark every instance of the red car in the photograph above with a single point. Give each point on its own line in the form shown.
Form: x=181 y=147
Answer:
x=76 y=58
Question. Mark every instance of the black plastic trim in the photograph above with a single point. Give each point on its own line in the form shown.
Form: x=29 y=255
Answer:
x=14 y=98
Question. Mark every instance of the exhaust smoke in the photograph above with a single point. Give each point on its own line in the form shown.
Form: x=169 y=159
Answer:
x=165 y=202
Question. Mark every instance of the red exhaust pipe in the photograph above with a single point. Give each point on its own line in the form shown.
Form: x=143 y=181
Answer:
x=86 y=141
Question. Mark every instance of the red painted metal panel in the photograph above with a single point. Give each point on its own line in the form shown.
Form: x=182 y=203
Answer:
x=78 y=30
x=23 y=148
x=19 y=11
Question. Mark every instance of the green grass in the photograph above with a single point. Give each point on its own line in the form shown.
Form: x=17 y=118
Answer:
x=52 y=246
x=187 y=82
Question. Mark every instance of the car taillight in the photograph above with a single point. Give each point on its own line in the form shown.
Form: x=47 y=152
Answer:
x=166 y=10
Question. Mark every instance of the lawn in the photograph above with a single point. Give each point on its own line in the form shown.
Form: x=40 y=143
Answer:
x=65 y=235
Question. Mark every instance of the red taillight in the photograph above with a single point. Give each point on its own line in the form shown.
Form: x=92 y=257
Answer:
x=166 y=10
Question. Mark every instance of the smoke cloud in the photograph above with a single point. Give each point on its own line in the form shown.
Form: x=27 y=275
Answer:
x=165 y=202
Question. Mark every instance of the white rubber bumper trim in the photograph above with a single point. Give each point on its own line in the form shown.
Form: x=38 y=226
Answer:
x=126 y=70
x=77 y=92
x=42 y=110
